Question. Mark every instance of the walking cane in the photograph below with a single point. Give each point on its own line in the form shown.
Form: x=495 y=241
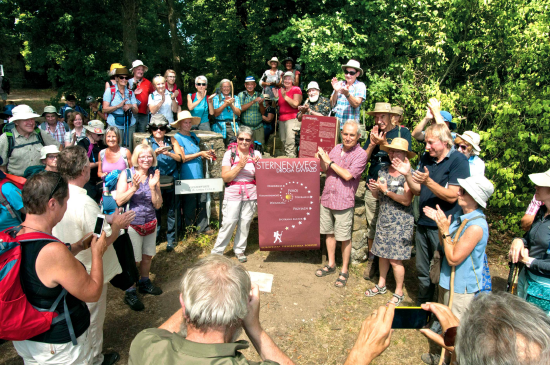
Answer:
x=513 y=275
x=452 y=283
x=233 y=125
x=275 y=136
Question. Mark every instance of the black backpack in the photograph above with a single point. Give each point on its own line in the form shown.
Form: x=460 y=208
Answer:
x=8 y=131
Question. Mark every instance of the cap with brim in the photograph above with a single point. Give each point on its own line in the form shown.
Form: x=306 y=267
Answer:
x=51 y=110
x=541 y=179
x=380 y=108
x=288 y=59
x=95 y=126
x=159 y=120
x=249 y=79
x=22 y=112
x=46 y=150
x=185 y=114
x=447 y=117
x=138 y=63
x=396 y=110
x=479 y=188
x=121 y=71
x=273 y=59
x=400 y=144
x=353 y=64
x=313 y=85
x=288 y=73
x=473 y=139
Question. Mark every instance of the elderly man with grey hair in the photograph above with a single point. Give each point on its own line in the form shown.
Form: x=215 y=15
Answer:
x=226 y=110
x=217 y=301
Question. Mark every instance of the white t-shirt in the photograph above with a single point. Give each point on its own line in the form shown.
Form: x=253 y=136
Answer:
x=166 y=108
x=79 y=219
x=238 y=191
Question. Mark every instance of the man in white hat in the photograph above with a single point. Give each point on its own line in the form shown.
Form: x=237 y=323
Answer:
x=142 y=88
x=53 y=125
x=252 y=109
x=348 y=95
x=21 y=142
x=315 y=103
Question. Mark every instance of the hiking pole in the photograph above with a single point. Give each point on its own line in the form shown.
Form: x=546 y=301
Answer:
x=233 y=125
x=275 y=136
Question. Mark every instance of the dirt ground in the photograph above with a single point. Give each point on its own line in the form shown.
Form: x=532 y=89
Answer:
x=308 y=317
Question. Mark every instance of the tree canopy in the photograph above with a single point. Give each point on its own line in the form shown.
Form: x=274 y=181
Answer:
x=487 y=60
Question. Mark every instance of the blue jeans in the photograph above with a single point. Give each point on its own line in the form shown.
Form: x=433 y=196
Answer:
x=171 y=205
x=268 y=130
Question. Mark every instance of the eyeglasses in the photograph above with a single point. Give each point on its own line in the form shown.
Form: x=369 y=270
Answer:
x=461 y=147
x=352 y=73
x=154 y=128
x=247 y=140
x=145 y=158
x=201 y=84
x=124 y=77
x=56 y=187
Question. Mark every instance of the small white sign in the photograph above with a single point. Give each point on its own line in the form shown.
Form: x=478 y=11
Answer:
x=264 y=281
x=196 y=186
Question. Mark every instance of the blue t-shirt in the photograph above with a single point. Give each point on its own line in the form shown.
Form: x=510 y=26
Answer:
x=117 y=99
x=166 y=164
x=454 y=166
x=201 y=110
x=13 y=196
x=381 y=158
x=190 y=169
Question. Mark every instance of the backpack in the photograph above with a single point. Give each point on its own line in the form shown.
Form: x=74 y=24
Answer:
x=113 y=91
x=8 y=131
x=19 y=319
x=18 y=182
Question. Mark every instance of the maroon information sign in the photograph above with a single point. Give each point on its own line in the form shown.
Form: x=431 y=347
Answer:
x=288 y=204
x=317 y=132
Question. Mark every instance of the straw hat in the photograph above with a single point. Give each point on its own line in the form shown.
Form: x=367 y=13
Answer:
x=353 y=64
x=288 y=73
x=185 y=114
x=313 y=85
x=400 y=144
x=121 y=71
x=95 y=126
x=22 y=112
x=273 y=59
x=541 y=179
x=380 y=108
x=473 y=139
x=115 y=66
x=46 y=150
x=138 y=63
x=479 y=188
x=50 y=110
x=397 y=110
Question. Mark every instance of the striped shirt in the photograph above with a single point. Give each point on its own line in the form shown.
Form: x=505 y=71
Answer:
x=59 y=133
x=338 y=193
x=248 y=174
x=343 y=109
x=534 y=206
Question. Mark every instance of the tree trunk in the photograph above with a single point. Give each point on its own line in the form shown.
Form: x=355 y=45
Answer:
x=129 y=30
x=172 y=21
x=242 y=55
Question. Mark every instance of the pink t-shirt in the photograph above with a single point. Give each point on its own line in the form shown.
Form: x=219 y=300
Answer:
x=241 y=191
x=286 y=112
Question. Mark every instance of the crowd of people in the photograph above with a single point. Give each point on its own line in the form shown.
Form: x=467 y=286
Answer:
x=80 y=164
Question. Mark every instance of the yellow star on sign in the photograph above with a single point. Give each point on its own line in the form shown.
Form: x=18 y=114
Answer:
x=286 y=228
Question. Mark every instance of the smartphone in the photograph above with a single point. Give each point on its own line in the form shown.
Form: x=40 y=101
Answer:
x=164 y=148
x=99 y=225
x=411 y=317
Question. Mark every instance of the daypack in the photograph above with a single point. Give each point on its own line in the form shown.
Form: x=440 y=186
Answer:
x=19 y=319
x=8 y=131
x=18 y=182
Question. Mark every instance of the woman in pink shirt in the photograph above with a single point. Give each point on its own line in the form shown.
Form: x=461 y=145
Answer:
x=290 y=97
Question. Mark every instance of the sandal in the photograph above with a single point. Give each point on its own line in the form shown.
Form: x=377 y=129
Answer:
x=399 y=299
x=381 y=290
x=329 y=270
x=340 y=283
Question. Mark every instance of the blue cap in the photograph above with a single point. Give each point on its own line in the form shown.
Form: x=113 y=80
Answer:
x=449 y=119
x=250 y=79
x=7 y=109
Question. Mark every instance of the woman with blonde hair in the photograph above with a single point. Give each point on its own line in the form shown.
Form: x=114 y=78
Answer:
x=161 y=100
x=468 y=144
x=139 y=187
x=76 y=129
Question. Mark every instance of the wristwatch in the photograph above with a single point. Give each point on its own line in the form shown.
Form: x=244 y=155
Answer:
x=331 y=162
x=385 y=193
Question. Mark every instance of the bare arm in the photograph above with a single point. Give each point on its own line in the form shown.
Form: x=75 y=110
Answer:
x=456 y=254
x=154 y=108
x=325 y=162
x=124 y=192
x=229 y=174
x=417 y=132
x=218 y=111
x=109 y=109
x=295 y=101
x=526 y=222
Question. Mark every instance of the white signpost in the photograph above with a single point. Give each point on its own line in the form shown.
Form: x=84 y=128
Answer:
x=198 y=186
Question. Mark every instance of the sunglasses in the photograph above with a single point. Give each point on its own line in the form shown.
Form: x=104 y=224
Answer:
x=155 y=128
x=124 y=77
x=352 y=73
x=201 y=84
x=461 y=147
x=56 y=187
x=247 y=140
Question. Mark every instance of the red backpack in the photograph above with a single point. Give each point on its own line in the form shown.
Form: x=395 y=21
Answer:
x=19 y=319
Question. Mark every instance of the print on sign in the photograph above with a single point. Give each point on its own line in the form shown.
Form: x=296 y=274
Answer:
x=288 y=201
x=317 y=132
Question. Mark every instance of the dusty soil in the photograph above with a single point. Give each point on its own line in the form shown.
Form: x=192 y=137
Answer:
x=310 y=319
x=36 y=99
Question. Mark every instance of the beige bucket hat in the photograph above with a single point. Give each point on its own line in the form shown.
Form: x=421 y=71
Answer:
x=46 y=150
x=380 y=108
x=472 y=138
x=138 y=63
x=397 y=110
x=185 y=114
x=479 y=188
x=353 y=64
x=273 y=59
x=400 y=144
x=22 y=112
x=50 y=110
x=95 y=126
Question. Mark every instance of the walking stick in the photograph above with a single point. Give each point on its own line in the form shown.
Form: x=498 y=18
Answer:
x=275 y=136
x=233 y=125
x=452 y=283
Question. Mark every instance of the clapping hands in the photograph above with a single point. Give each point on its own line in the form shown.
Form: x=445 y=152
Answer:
x=154 y=180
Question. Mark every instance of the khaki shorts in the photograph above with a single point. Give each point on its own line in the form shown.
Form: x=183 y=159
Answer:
x=337 y=222
x=461 y=302
x=372 y=207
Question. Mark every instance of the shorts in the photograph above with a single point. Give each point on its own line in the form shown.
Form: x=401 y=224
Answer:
x=143 y=245
x=337 y=222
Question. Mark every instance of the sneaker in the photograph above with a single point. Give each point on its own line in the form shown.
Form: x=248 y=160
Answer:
x=431 y=359
x=148 y=288
x=110 y=358
x=169 y=247
x=241 y=257
x=131 y=298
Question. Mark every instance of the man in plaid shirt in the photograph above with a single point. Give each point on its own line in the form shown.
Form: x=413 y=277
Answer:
x=348 y=95
x=344 y=166
x=53 y=126
x=252 y=109
x=225 y=107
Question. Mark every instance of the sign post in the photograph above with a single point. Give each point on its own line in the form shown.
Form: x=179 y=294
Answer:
x=198 y=186
x=288 y=204
x=317 y=132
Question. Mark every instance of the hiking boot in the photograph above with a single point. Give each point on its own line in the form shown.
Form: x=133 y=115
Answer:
x=371 y=270
x=110 y=358
x=169 y=247
x=147 y=287
x=431 y=359
x=131 y=298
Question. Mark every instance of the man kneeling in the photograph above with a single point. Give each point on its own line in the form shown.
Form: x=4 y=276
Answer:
x=217 y=301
